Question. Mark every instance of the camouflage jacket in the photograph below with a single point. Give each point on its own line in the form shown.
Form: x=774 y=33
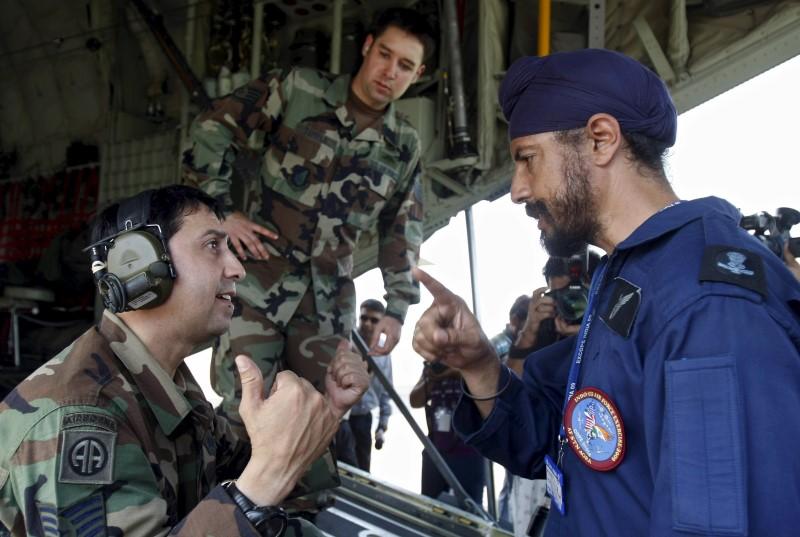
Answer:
x=315 y=182
x=101 y=441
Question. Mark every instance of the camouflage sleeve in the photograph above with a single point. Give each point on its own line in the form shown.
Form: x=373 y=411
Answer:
x=248 y=115
x=232 y=453
x=215 y=516
x=400 y=229
x=82 y=472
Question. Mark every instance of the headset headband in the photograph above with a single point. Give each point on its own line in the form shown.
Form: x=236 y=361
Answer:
x=134 y=212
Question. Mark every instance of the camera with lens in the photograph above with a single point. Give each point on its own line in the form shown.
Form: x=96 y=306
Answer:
x=572 y=300
x=773 y=231
x=437 y=368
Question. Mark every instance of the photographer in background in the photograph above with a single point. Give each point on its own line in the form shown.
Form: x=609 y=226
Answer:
x=774 y=232
x=503 y=341
x=360 y=420
x=438 y=390
x=555 y=311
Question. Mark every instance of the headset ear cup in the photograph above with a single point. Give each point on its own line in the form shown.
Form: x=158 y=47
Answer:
x=143 y=275
x=159 y=269
x=163 y=271
x=113 y=293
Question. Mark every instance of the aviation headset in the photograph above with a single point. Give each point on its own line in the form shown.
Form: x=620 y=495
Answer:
x=132 y=268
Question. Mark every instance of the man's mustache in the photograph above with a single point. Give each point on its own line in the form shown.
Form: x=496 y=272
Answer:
x=536 y=209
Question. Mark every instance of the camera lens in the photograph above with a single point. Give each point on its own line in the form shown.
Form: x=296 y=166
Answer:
x=571 y=303
x=437 y=368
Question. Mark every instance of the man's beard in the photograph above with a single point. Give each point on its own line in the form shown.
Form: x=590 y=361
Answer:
x=571 y=213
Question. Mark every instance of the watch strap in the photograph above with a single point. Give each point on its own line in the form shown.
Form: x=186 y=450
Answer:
x=270 y=521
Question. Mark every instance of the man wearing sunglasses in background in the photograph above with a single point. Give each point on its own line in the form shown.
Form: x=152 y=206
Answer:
x=360 y=420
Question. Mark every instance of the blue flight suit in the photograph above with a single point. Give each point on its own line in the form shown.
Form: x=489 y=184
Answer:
x=705 y=372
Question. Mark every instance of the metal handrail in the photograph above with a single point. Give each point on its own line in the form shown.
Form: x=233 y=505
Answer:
x=464 y=499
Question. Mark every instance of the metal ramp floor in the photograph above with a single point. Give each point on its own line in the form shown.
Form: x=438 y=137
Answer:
x=368 y=507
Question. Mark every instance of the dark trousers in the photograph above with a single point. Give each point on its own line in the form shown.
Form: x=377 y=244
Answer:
x=361 y=426
x=345 y=447
x=469 y=469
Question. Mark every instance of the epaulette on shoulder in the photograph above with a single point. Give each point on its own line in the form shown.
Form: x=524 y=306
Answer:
x=734 y=265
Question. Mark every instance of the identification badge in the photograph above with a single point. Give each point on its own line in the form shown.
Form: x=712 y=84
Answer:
x=555 y=483
x=594 y=429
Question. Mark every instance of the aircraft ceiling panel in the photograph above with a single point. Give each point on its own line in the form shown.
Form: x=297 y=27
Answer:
x=56 y=88
x=706 y=54
x=778 y=40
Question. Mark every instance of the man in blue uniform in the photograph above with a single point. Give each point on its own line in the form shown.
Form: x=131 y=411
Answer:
x=676 y=410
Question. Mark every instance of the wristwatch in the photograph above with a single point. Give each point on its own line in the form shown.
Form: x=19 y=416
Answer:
x=270 y=521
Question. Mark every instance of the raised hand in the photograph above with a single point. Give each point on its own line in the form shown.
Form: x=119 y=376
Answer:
x=244 y=236
x=389 y=326
x=288 y=430
x=347 y=379
x=541 y=307
x=448 y=331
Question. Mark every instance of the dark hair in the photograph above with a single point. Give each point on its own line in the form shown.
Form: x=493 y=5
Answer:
x=373 y=305
x=411 y=22
x=555 y=266
x=520 y=307
x=559 y=266
x=168 y=207
x=647 y=153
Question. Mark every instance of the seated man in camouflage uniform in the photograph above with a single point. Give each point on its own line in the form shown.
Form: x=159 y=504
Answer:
x=335 y=160
x=114 y=436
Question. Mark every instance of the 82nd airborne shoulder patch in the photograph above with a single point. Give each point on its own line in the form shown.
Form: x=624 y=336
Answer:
x=87 y=449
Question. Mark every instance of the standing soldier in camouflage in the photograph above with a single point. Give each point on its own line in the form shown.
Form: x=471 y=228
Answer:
x=335 y=159
x=114 y=437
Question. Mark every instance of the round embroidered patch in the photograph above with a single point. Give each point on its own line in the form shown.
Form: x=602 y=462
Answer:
x=595 y=430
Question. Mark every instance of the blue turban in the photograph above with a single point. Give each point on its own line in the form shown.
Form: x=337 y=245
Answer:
x=563 y=90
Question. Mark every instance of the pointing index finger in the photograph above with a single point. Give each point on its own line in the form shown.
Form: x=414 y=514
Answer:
x=440 y=292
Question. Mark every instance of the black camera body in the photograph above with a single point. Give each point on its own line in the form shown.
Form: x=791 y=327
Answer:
x=437 y=368
x=572 y=300
x=773 y=231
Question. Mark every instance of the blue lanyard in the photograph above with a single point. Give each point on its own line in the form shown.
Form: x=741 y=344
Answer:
x=577 y=356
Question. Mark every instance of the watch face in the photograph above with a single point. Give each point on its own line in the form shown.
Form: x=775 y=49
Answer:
x=270 y=521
